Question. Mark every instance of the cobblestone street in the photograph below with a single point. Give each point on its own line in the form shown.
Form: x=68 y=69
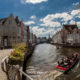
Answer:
x=3 y=53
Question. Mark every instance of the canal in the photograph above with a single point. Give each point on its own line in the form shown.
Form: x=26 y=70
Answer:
x=45 y=56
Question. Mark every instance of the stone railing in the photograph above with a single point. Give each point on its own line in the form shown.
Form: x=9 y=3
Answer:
x=13 y=72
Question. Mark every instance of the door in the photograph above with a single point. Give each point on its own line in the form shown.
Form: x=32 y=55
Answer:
x=5 y=41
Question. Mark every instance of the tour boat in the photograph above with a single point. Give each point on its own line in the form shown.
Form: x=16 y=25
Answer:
x=68 y=67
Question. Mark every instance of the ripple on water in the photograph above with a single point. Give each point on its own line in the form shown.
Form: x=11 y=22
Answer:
x=45 y=57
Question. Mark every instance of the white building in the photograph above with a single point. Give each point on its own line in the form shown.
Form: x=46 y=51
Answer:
x=57 y=38
x=74 y=37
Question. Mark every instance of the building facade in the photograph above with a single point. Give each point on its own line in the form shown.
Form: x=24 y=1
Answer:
x=57 y=38
x=68 y=34
x=12 y=30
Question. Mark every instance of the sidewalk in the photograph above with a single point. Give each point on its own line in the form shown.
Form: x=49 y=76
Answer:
x=3 y=53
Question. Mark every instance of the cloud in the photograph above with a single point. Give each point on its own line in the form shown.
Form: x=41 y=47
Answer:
x=78 y=23
x=78 y=16
x=38 y=31
x=64 y=16
x=75 y=4
x=44 y=32
x=50 y=24
x=75 y=12
x=33 y=1
x=55 y=20
x=49 y=20
x=72 y=22
x=29 y=22
x=33 y=17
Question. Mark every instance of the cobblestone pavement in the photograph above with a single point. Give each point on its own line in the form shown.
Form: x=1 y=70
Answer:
x=3 y=53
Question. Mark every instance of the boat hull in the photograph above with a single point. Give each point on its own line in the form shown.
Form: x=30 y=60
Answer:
x=68 y=68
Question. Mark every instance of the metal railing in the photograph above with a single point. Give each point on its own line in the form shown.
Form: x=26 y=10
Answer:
x=17 y=71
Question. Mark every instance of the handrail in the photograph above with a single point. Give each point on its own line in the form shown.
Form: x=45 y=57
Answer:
x=4 y=59
x=25 y=74
x=2 y=66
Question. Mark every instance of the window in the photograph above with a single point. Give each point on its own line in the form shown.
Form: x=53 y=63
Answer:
x=10 y=21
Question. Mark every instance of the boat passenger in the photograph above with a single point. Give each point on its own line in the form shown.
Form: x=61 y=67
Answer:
x=74 y=56
x=60 y=62
x=67 y=61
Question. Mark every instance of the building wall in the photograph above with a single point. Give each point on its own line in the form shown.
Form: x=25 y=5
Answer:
x=57 y=38
x=22 y=31
x=74 y=37
x=10 y=27
x=10 y=30
x=14 y=32
x=31 y=38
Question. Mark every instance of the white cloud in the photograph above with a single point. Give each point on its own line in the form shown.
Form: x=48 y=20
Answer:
x=33 y=1
x=72 y=22
x=75 y=12
x=78 y=16
x=43 y=32
x=33 y=17
x=64 y=16
x=29 y=22
x=49 y=20
x=78 y=23
x=50 y=24
x=38 y=31
x=75 y=4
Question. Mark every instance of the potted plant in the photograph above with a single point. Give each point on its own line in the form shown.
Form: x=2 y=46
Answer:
x=16 y=56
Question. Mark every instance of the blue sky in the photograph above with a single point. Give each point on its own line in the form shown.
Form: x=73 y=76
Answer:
x=44 y=16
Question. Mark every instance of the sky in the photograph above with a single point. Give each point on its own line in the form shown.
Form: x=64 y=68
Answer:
x=45 y=17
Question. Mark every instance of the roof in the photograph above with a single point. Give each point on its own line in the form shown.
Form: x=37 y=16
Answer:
x=70 y=28
x=2 y=21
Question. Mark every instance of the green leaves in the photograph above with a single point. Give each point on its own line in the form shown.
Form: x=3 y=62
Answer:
x=17 y=55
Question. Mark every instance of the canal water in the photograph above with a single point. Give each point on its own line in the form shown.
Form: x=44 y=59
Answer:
x=45 y=57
